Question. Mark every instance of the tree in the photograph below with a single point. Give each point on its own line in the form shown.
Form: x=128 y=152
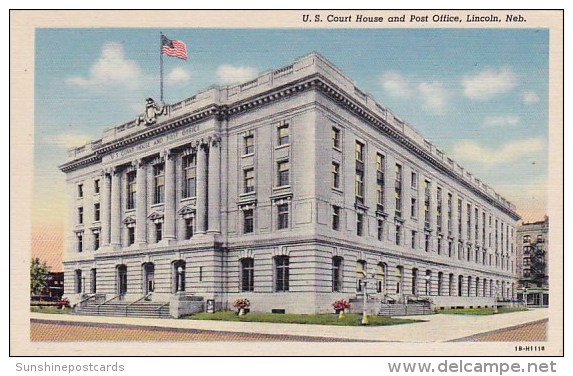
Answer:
x=38 y=276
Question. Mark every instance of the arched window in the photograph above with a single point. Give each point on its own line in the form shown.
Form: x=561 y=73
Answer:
x=469 y=286
x=415 y=281
x=121 y=279
x=400 y=275
x=247 y=274
x=360 y=274
x=428 y=283
x=451 y=285
x=336 y=273
x=78 y=281
x=148 y=277
x=381 y=278
x=460 y=284
x=282 y=273
x=440 y=283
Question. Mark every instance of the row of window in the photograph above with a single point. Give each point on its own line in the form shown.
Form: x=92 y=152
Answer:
x=96 y=188
x=527 y=239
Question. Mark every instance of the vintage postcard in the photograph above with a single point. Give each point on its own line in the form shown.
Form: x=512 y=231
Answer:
x=286 y=182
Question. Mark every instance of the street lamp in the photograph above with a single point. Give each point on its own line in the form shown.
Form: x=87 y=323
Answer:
x=364 y=315
x=495 y=299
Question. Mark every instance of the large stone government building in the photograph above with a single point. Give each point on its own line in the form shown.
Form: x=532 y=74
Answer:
x=293 y=190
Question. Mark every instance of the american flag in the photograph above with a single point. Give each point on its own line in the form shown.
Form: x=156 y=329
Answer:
x=173 y=48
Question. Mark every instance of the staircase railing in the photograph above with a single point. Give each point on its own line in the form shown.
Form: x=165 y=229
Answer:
x=81 y=302
x=159 y=309
x=107 y=301
x=136 y=301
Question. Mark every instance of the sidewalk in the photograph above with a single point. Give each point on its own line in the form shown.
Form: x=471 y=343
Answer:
x=436 y=328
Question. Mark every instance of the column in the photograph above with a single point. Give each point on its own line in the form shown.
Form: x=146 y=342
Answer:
x=169 y=215
x=141 y=203
x=115 y=208
x=105 y=208
x=201 y=188
x=214 y=190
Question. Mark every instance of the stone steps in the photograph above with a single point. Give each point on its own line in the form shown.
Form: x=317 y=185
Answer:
x=140 y=309
x=404 y=309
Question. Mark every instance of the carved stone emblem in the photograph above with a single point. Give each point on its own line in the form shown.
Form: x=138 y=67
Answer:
x=152 y=111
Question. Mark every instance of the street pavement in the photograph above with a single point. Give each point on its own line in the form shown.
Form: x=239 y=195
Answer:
x=435 y=328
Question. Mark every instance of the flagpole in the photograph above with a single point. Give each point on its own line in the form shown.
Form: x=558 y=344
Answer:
x=161 y=66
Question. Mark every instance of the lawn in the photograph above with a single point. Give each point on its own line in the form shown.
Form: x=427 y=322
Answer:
x=50 y=309
x=350 y=319
x=479 y=311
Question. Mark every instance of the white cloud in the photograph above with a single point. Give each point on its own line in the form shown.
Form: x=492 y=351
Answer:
x=227 y=74
x=67 y=140
x=501 y=121
x=529 y=97
x=112 y=69
x=513 y=150
x=178 y=76
x=434 y=96
x=489 y=83
x=396 y=85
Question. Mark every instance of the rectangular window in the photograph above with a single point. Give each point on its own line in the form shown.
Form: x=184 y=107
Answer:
x=468 y=221
x=359 y=186
x=80 y=243
x=189 y=228
x=414 y=180
x=439 y=245
x=248 y=221
x=158 y=183
x=93 y=281
x=249 y=145
x=439 y=209
x=283 y=173
x=283 y=134
x=282 y=273
x=398 y=234
x=80 y=215
x=380 y=183
x=359 y=224
x=336 y=141
x=427 y=242
x=414 y=208
x=96 y=186
x=282 y=211
x=96 y=240
x=190 y=176
x=131 y=190
x=359 y=151
x=414 y=233
x=450 y=249
x=248 y=180
x=247 y=274
x=483 y=229
x=427 y=193
x=78 y=281
x=398 y=190
x=80 y=190
x=130 y=235
x=380 y=229
x=335 y=175
x=450 y=210
x=158 y=232
x=96 y=212
x=336 y=274
x=336 y=217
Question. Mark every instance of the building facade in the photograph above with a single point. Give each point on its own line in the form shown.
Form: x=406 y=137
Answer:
x=533 y=261
x=293 y=190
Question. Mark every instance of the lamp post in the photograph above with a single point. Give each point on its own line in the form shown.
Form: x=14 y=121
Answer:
x=495 y=299
x=179 y=278
x=364 y=296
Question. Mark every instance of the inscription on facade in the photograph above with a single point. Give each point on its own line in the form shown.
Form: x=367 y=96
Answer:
x=180 y=134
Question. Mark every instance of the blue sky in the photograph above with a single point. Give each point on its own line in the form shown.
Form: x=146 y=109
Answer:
x=479 y=95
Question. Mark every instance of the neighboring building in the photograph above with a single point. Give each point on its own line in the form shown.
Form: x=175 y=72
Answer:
x=54 y=288
x=533 y=261
x=287 y=190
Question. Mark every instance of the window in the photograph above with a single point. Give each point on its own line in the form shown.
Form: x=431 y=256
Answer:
x=359 y=186
x=427 y=242
x=80 y=215
x=281 y=273
x=158 y=232
x=247 y=274
x=414 y=233
x=414 y=281
x=439 y=245
x=282 y=173
x=450 y=209
x=359 y=224
x=158 y=183
x=96 y=186
x=380 y=167
x=440 y=283
x=131 y=189
x=381 y=278
x=483 y=229
x=360 y=274
x=380 y=229
x=78 y=281
x=450 y=249
x=336 y=142
x=179 y=273
x=468 y=221
x=336 y=217
x=96 y=212
x=526 y=239
x=414 y=180
x=130 y=235
x=336 y=273
x=476 y=227
x=335 y=175
x=414 y=208
x=248 y=180
x=121 y=279
x=249 y=145
x=80 y=190
x=359 y=151
x=398 y=190
x=400 y=279
x=283 y=135
x=282 y=211
x=189 y=176
x=248 y=221
x=80 y=242
x=427 y=193
x=96 y=240
x=398 y=234
x=188 y=228
x=460 y=219
x=439 y=209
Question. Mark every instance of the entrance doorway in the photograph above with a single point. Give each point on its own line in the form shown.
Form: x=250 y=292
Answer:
x=148 y=277
x=121 y=280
